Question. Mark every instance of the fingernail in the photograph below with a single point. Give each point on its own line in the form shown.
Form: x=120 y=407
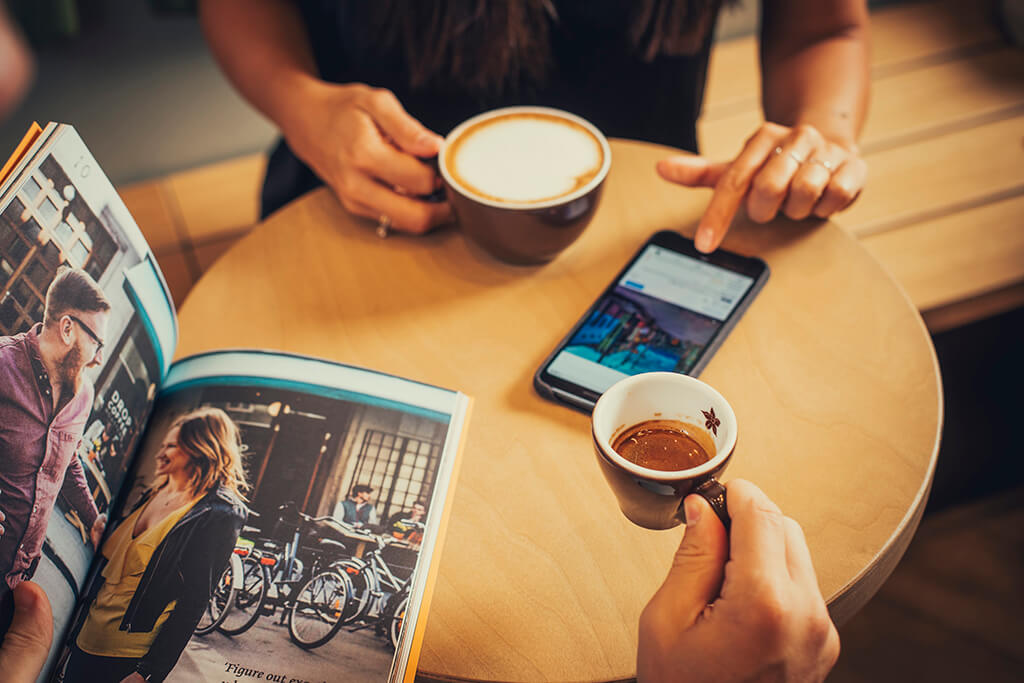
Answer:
x=703 y=240
x=693 y=509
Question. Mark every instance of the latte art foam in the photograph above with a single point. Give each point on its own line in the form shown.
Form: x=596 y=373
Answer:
x=524 y=158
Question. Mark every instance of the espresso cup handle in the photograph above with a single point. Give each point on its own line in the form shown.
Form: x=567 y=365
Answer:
x=714 y=493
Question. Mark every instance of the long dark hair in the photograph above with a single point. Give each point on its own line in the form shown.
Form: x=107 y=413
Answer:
x=485 y=45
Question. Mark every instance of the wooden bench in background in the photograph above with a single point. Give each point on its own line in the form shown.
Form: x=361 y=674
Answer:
x=943 y=204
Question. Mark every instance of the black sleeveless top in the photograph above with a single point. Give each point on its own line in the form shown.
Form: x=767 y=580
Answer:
x=595 y=72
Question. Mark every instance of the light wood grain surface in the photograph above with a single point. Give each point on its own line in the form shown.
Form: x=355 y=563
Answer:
x=831 y=373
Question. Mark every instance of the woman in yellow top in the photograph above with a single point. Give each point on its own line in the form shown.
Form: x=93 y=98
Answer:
x=162 y=562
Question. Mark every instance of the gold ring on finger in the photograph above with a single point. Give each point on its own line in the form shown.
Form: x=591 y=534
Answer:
x=383 y=226
x=792 y=155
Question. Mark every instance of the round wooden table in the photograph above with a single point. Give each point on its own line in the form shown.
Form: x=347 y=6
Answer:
x=831 y=373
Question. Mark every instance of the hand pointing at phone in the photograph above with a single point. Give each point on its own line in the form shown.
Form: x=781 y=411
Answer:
x=793 y=171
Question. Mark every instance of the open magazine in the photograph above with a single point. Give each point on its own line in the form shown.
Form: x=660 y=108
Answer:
x=239 y=515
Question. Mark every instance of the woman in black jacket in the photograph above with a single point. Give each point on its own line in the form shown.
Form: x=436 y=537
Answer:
x=162 y=561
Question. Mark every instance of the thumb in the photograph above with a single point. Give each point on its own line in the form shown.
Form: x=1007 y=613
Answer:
x=408 y=134
x=691 y=170
x=698 y=568
x=27 y=641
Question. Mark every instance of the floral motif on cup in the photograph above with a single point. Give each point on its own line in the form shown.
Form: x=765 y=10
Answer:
x=711 y=421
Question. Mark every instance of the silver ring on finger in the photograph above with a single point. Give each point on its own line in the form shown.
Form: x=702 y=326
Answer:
x=827 y=165
x=383 y=226
x=792 y=155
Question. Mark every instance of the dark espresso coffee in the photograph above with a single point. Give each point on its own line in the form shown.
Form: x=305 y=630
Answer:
x=667 y=445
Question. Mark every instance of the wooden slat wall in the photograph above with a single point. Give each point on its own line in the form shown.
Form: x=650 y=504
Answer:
x=902 y=37
x=910 y=105
x=943 y=140
x=979 y=250
x=190 y=218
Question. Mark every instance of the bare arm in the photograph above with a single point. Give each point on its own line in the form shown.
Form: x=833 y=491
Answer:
x=359 y=140
x=814 y=65
x=263 y=47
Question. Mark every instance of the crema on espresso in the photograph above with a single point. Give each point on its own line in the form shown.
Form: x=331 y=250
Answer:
x=525 y=157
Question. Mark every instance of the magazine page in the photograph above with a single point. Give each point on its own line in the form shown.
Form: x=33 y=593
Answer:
x=283 y=522
x=86 y=328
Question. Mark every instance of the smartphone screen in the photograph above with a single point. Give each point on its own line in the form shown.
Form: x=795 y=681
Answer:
x=666 y=311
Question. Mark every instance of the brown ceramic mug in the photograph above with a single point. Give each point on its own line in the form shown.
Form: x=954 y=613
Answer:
x=524 y=181
x=653 y=498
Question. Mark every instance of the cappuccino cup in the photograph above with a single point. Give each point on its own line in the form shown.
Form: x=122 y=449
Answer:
x=667 y=401
x=524 y=181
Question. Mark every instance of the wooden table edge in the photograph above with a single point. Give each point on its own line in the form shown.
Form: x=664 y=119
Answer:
x=851 y=598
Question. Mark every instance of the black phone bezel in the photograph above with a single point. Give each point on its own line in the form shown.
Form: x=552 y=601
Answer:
x=582 y=398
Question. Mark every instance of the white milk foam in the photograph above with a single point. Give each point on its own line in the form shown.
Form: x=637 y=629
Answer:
x=526 y=159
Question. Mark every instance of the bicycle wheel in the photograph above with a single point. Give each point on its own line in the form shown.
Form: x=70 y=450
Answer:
x=362 y=590
x=248 y=602
x=316 y=612
x=397 y=621
x=219 y=604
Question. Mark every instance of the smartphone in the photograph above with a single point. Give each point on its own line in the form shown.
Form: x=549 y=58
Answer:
x=668 y=310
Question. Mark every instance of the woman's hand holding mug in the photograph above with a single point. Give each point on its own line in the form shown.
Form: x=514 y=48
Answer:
x=369 y=150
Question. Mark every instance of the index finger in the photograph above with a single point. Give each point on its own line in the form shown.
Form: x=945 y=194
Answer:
x=731 y=188
x=399 y=169
x=409 y=134
x=757 y=542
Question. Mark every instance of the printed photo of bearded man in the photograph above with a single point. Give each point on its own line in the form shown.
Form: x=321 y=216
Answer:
x=45 y=400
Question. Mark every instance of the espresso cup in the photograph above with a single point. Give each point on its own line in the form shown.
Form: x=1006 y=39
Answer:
x=524 y=181
x=654 y=498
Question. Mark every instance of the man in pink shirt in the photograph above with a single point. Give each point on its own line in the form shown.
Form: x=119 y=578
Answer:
x=45 y=401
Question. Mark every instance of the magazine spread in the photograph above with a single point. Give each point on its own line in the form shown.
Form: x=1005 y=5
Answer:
x=239 y=515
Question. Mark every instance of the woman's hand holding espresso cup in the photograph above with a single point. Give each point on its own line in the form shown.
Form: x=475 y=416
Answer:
x=793 y=170
x=369 y=151
x=743 y=606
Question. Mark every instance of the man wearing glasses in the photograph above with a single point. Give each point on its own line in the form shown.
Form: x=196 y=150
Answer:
x=45 y=401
